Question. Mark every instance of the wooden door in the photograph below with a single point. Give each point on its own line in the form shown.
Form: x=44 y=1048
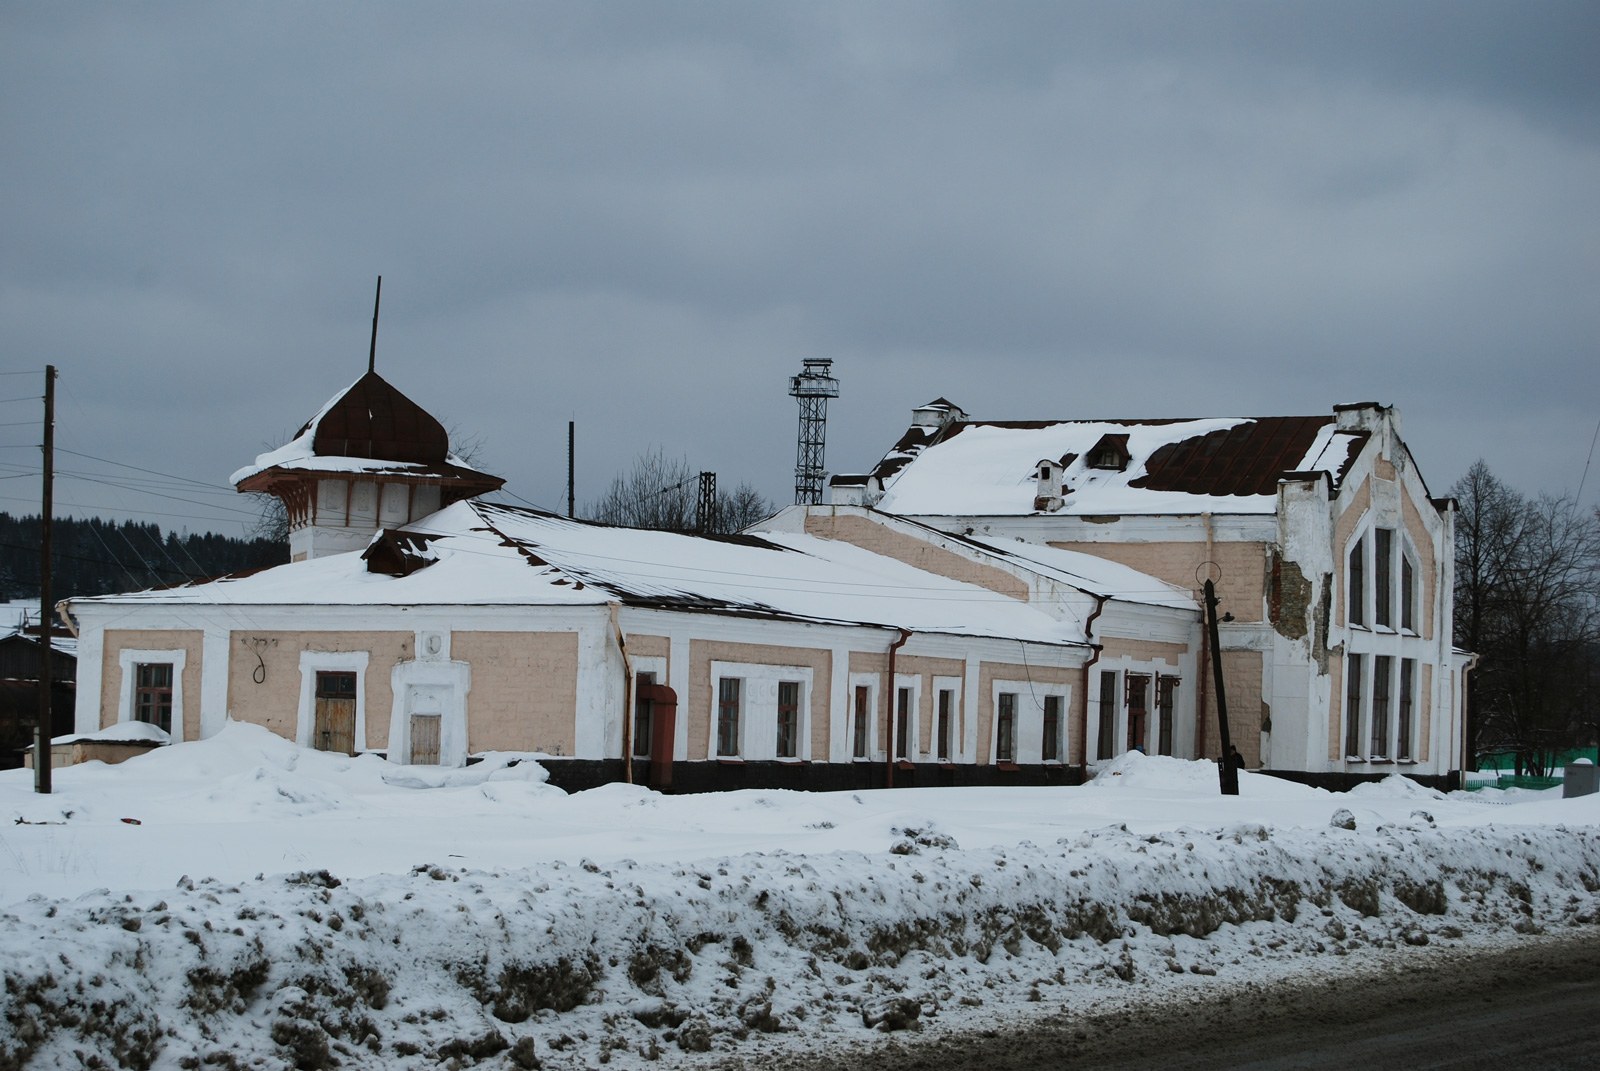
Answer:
x=425 y=739
x=334 y=725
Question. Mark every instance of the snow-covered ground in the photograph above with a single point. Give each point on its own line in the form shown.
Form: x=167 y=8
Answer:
x=242 y=902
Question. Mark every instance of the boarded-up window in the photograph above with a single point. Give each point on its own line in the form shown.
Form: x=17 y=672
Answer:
x=334 y=725
x=152 y=697
x=425 y=739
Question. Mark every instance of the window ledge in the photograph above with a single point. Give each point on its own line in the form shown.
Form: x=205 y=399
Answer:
x=730 y=760
x=1008 y=767
x=793 y=762
x=904 y=764
x=1379 y=760
x=946 y=764
x=1405 y=762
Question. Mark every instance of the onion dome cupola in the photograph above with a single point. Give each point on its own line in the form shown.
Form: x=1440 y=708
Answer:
x=370 y=459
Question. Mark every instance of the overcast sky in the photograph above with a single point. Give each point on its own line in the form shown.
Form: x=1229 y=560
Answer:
x=642 y=217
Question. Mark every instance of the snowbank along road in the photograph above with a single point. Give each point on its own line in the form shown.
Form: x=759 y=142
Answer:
x=478 y=916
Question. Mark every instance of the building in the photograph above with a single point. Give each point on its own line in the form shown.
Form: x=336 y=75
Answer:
x=995 y=602
x=847 y=649
x=1332 y=559
x=19 y=683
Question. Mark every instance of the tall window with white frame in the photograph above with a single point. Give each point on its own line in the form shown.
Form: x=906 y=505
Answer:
x=861 y=731
x=1408 y=673
x=1106 y=742
x=1408 y=593
x=642 y=716
x=152 y=694
x=788 y=719
x=728 y=717
x=1357 y=584
x=1352 y=706
x=1050 y=746
x=902 y=723
x=1005 y=728
x=1166 y=694
x=947 y=717
x=1138 y=707
x=1382 y=667
x=1383 y=577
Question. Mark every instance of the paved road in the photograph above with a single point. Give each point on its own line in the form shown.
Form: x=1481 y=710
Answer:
x=1536 y=1005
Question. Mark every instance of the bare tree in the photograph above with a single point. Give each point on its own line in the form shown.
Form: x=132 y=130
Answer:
x=1528 y=603
x=741 y=508
x=657 y=492
x=664 y=493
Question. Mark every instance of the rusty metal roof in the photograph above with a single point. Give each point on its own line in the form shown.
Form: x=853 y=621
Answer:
x=374 y=420
x=1248 y=459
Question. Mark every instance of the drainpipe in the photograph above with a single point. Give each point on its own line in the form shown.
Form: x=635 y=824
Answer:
x=1088 y=634
x=1205 y=658
x=890 y=705
x=627 y=695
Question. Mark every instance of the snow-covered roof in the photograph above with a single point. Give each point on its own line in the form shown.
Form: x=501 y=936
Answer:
x=19 y=619
x=478 y=553
x=1178 y=466
x=368 y=428
x=1087 y=572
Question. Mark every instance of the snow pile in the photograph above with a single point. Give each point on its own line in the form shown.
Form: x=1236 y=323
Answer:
x=412 y=918
x=122 y=732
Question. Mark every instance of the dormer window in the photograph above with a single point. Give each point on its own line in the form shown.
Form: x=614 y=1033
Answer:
x=1111 y=453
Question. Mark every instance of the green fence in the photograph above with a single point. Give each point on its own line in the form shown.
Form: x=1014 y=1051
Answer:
x=1513 y=781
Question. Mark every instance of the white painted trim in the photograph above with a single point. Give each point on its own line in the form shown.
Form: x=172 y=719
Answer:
x=127 y=659
x=758 y=709
x=872 y=682
x=214 y=654
x=958 y=717
x=1030 y=719
x=657 y=666
x=447 y=685
x=911 y=682
x=311 y=662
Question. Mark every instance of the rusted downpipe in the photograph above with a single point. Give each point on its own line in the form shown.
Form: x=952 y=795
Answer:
x=1088 y=634
x=1205 y=657
x=890 y=713
x=627 y=695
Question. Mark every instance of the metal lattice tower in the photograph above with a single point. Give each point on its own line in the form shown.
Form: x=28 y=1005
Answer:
x=812 y=387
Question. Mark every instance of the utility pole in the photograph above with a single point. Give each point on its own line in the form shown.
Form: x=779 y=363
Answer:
x=41 y=731
x=572 y=445
x=1227 y=772
x=705 y=513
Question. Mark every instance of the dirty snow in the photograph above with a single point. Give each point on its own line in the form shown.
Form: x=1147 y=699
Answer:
x=242 y=902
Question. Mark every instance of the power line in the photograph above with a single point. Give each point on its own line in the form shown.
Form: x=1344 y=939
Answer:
x=136 y=468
